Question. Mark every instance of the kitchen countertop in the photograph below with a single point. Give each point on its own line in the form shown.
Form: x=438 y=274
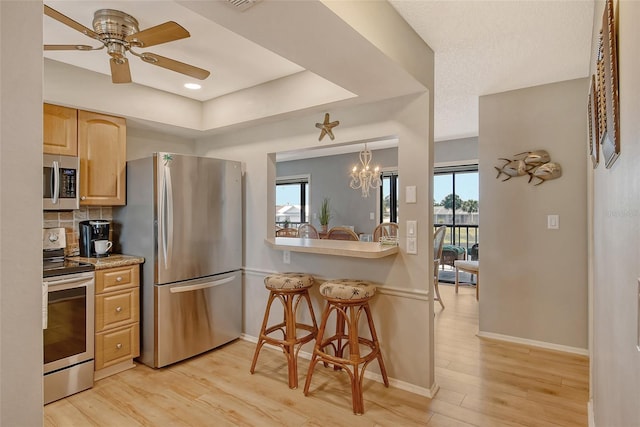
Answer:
x=113 y=260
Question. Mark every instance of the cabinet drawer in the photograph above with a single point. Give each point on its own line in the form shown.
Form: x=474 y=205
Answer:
x=117 y=345
x=114 y=279
x=116 y=309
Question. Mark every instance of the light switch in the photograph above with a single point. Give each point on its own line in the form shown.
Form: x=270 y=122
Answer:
x=286 y=257
x=638 y=316
x=410 y=194
x=412 y=245
x=372 y=215
x=412 y=228
x=553 y=222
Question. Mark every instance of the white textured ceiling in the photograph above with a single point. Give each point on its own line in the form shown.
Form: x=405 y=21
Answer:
x=481 y=47
x=485 y=47
x=235 y=63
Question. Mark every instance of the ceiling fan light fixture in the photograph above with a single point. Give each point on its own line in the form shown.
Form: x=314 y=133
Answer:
x=192 y=86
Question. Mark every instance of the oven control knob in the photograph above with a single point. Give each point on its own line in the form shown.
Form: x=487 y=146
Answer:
x=53 y=237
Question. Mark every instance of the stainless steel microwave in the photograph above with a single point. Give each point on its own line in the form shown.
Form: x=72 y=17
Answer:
x=60 y=183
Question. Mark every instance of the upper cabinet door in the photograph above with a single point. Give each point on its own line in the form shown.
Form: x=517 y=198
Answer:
x=102 y=150
x=60 y=130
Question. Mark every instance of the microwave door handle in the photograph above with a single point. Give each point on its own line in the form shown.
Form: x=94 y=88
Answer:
x=55 y=181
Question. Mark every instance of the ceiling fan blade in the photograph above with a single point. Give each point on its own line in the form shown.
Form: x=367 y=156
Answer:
x=120 y=72
x=70 y=47
x=173 y=65
x=70 y=22
x=163 y=33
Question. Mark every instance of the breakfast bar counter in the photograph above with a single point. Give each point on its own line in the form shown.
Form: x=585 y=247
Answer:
x=332 y=247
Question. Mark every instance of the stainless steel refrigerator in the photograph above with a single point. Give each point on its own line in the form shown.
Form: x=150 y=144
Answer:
x=184 y=215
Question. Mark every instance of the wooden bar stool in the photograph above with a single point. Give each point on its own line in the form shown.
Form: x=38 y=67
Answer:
x=350 y=300
x=289 y=289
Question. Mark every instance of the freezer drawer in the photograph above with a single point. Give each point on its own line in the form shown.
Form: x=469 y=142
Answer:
x=197 y=315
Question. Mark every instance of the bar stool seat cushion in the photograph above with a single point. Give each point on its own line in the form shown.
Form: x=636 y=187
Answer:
x=292 y=281
x=348 y=289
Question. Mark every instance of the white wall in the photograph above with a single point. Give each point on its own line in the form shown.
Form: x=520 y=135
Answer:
x=616 y=254
x=402 y=312
x=20 y=213
x=143 y=143
x=534 y=280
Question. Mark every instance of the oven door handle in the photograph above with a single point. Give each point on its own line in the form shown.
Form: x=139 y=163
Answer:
x=57 y=282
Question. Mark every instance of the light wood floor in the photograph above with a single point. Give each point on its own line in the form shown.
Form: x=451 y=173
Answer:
x=482 y=383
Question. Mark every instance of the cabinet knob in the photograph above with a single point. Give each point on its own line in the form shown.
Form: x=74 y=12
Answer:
x=118 y=309
x=119 y=279
x=118 y=346
x=83 y=197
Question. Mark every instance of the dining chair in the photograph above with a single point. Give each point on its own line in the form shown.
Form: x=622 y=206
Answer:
x=385 y=229
x=438 y=243
x=342 y=233
x=287 y=232
x=308 y=231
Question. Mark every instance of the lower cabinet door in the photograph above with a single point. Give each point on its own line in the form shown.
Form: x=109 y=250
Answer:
x=117 y=345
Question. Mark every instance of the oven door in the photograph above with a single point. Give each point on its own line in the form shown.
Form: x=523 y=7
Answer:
x=68 y=320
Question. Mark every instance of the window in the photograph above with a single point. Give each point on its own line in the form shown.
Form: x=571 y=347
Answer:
x=292 y=195
x=388 y=211
x=455 y=204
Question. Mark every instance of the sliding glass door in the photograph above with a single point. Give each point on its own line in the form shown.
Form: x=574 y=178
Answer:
x=455 y=204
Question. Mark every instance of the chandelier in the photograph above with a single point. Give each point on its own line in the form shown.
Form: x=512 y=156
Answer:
x=365 y=178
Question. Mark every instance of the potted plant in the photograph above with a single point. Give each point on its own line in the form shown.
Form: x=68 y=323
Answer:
x=325 y=214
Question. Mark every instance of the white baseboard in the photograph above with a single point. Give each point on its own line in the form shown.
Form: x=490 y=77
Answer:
x=534 y=343
x=402 y=385
x=592 y=421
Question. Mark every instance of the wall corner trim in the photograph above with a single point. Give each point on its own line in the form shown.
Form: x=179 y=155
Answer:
x=592 y=421
x=534 y=343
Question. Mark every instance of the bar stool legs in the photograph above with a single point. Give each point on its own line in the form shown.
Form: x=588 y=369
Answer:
x=348 y=314
x=290 y=289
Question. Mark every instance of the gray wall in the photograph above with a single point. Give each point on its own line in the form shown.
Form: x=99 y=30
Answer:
x=456 y=151
x=615 y=359
x=330 y=178
x=534 y=280
x=20 y=213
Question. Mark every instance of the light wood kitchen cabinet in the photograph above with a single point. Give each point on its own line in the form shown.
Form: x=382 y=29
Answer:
x=117 y=319
x=102 y=150
x=60 y=130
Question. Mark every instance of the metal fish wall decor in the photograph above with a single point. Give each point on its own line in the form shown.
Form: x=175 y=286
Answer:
x=537 y=164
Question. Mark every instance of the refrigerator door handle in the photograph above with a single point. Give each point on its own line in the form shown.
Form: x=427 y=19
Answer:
x=179 y=289
x=166 y=216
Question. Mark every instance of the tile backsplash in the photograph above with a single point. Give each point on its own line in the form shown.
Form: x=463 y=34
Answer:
x=70 y=220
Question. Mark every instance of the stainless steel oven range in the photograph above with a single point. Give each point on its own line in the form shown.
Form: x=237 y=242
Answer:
x=67 y=316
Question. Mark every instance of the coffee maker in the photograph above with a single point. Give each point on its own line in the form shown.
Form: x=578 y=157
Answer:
x=90 y=231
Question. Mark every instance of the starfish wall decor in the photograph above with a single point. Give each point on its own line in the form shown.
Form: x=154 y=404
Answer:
x=326 y=127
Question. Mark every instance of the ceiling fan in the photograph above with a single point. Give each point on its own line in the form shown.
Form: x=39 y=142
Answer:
x=119 y=33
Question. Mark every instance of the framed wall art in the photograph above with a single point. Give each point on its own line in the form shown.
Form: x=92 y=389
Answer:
x=594 y=124
x=610 y=134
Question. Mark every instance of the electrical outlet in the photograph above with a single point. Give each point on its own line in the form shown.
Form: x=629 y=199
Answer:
x=286 y=257
x=372 y=215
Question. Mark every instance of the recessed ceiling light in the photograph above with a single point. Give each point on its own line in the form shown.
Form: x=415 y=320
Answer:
x=192 y=86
